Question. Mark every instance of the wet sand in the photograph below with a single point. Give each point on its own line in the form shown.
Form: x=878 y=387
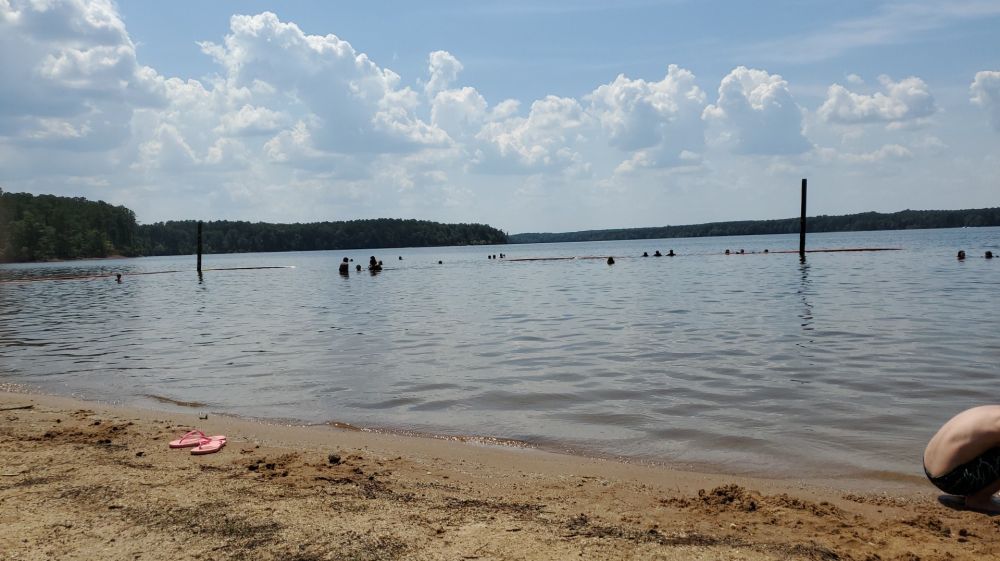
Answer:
x=80 y=480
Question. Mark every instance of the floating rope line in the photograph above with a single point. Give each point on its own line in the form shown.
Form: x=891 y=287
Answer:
x=133 y=274
x=842 y=249
x=250 y=268
x=731 y=253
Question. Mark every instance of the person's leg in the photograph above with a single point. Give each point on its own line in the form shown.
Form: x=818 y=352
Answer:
x=984 y=500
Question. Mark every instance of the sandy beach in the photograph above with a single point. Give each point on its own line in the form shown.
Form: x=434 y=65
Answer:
x=80 y=480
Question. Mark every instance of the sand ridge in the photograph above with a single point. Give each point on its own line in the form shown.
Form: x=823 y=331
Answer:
x=86 y=481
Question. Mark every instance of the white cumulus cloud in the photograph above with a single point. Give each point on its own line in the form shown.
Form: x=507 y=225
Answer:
x=657 y=121
x=69 y=75
x=250 y=120
x=985 y=91
x=297 y=126
x=443 y=68
x=359 y=107
x=539 y=142
x=758 y=113
x=905 y=100
x=459 y=112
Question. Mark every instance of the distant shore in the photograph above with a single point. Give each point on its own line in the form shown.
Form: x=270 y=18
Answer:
x=861 y=222
x=88 y=480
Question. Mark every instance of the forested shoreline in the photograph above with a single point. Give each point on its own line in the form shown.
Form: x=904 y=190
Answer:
x=223 y=236
x=861 y=222
x=47 y=227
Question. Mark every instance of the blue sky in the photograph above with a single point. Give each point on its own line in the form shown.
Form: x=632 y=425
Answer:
x=530 y=116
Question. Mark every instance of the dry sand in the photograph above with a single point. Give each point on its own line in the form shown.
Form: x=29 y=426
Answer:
x=87 y=481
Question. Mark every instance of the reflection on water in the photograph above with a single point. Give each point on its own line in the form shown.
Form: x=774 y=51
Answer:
x=755 y=363
x=807 y=309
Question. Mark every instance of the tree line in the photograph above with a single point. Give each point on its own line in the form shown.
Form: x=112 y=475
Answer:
x=223 y=236
x=865 y=221
x=47 y=227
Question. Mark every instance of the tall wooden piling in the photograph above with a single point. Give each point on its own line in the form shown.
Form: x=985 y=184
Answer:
x=199 y=246
x=802 y=223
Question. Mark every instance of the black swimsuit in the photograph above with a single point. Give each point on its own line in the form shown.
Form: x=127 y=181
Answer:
x=972 y=476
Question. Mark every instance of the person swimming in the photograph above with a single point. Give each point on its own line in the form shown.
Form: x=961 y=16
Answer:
x=961 y=254
x=645 y=254
x=611 y=260
x=671 y=253
x=657 y=254
x=118 y=278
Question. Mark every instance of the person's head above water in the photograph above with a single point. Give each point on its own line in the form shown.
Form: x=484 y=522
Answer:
x=345 y=260
x=989 y=255
x=611 y=260
x=961 y=254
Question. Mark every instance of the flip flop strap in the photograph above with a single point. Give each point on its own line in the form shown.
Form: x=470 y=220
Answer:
x=189 y=434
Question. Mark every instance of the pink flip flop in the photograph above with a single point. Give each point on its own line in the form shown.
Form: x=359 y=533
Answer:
x=209 y=445
x=192 y=438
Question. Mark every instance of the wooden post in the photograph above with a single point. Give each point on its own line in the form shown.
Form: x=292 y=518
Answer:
x=199 y=247
x=802 y=223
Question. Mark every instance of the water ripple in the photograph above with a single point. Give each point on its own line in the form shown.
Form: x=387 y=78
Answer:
x=758 y=364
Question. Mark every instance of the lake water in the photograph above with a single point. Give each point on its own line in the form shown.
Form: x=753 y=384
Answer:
x=840 y=366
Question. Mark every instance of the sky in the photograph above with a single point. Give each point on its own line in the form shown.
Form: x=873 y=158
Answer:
x=530 y=116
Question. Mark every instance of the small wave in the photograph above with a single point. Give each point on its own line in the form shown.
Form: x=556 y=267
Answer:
x=172 y=401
